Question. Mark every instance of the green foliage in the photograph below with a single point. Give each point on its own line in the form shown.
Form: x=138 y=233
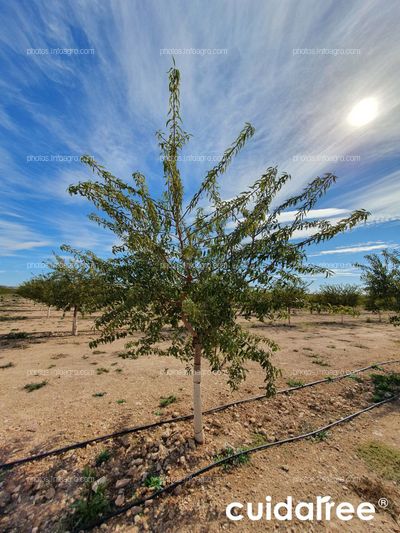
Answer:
x=30 y=387
x=71 y=284
x=228 y=451
x=385 y=385
x=321 y=436
x=381 y=458
x=337 y=300
x=165 y=401
x=395 y=320
x=102 y=370
x=17 y=335
x=357 y=379
x=154 y=482
x=120 y=402
x=88 y=508
x=102 y=457
x=187 y=265
x=277 y=302
x=7 y=291
x=7 y=318
x=99 y=394
x=381 y=277
x=294 y=383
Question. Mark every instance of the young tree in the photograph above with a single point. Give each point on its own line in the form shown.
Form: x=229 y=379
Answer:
x=78 y=287
x=189 y=264
x=381 y=277
x=72 y=285
x=340 y=299
x=288 y=296
x=40 y=289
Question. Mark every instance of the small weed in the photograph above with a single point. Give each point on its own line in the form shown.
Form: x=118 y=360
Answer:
x=121 y=401
x=30 y=387
x=154 y=482
x=381 y=458
x=386 y=385
x=59 y=356
x=294 y=383
x=102 y=370
x=158 y=413
x=358 y=379
x=99 y=394
x=102 y=457
x=258 y=439
x=320 y=437
x=18 y=335
x=119 y=370
x=227 y=452
x=320 y=362
x=87 y=509
x=167 y=400
x=51 y=366
x=7 y=318
x=8 y=365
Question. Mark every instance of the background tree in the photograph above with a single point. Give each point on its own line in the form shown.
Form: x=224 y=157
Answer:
x=71 y=285
x=40 y=289
x=288 y=296
x=188 y=265
x=381 y=278
x=339 y=299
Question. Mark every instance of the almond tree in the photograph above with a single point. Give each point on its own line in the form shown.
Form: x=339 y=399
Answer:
x=339 y=299
x=39 y=289
x=381 y=278
x=184 y=266
x=71 y=285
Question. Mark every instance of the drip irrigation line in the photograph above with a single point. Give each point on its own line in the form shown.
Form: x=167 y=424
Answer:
x=136 y=429
x=211 y=466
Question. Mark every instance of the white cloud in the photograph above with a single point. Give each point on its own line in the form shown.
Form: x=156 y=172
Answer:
x=367 y=247
x=16 y=237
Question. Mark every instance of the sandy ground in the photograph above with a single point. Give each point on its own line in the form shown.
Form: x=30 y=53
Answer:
x=65 y=410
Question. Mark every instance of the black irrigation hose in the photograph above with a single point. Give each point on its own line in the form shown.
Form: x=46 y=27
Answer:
x=211 y=466
x=152 y=425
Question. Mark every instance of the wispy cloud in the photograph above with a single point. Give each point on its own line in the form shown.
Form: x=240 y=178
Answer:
x=366 y=247
x=16 y=237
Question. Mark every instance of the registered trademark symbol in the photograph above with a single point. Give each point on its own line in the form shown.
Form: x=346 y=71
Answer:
x=383 y=503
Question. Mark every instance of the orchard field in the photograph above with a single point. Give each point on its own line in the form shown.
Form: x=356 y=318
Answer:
x=84 y=393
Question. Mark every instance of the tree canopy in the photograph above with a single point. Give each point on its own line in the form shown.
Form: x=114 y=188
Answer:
x=188 y=263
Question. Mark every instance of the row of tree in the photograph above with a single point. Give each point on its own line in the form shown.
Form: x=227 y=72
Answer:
x=72 y=285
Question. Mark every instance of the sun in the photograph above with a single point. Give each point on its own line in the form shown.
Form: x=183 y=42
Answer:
x=364 y=112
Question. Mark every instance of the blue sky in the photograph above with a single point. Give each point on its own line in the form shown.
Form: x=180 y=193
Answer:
x=110 y=99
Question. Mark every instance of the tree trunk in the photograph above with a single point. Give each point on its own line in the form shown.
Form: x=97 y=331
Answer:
x=197 y=408
x=288 y=311
x=75 y=322
x=48 y=311
x=380 y=315
x=342 y=319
